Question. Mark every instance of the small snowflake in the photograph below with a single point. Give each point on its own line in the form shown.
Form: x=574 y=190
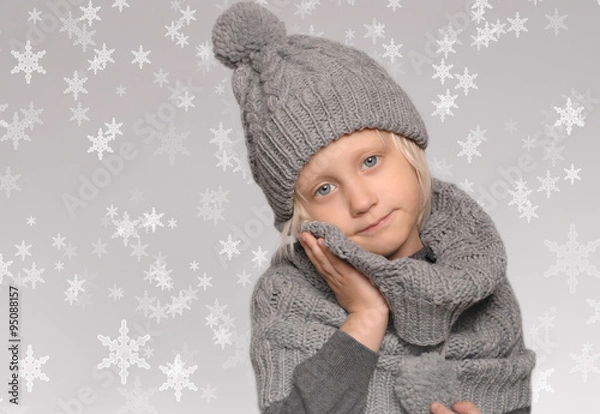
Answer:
x=141 y=56
x=230 y=247
x=548 y=184
x=392 y=50
x=466 y=81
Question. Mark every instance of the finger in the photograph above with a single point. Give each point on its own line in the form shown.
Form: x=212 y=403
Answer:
x=317 y=257
x=466 y=407
x=439 y=408
x=320 y=252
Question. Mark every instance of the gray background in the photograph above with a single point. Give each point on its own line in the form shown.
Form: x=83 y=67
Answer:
x=61 y=201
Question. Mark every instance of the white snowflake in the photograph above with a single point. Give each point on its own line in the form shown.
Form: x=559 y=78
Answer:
x=517 y=24
x=392 y=50
x=90 y=13
x=485 y=35
x=141 y=56
x=123 y=352
x=570 y=116
x=446 y=45
x=30 y=368
x=548 y=184
x=8 y=183
x=442 y=71
x=445 y=105
x=115 y=292
x=230 y=247
x=178 y=377
x=585 y=362
x=126 y=228
x=204 y=281
x=79 y=114
x=28 y=62
x=260 y=257
x=208 y=392
x=172 y=143
x=556 y=21
x=572 y=174
x=596 y=316
x=539 y=382
x=33 y=276
x=243 y=278
x=572 y=258
x=100 y=143
x=120 y=4
x=374 y=30
x=520 y=198
x=469 y=148
x=211 y=204
x=72 y=292
x=393 y=4
x=137 y=399
x=152 y=220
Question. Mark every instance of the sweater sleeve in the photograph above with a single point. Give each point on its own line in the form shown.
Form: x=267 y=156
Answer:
x=334 y=379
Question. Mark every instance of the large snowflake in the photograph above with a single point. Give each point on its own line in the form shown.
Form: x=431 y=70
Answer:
x=137 y=400
x=585 y=362
x=123 y=352
x=572 y=258
x=28 y=62
x=178 y=377
x=30 y=368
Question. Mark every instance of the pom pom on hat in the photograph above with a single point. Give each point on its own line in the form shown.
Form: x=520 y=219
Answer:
x=243 y=29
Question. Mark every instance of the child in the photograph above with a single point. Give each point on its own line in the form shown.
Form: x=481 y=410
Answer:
x=389 y=293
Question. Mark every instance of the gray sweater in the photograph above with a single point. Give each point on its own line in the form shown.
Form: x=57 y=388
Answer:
x=464 y=343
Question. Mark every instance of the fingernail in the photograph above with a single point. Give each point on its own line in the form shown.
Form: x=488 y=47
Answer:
x=435 y=406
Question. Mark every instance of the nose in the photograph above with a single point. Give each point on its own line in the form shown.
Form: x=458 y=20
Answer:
x=360 y=196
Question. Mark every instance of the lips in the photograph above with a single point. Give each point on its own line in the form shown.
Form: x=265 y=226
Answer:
x=372 y=226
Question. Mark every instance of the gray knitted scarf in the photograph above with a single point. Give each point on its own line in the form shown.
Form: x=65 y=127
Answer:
x=455 y=330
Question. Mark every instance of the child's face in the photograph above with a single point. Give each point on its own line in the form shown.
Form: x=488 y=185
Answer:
x=355 y=181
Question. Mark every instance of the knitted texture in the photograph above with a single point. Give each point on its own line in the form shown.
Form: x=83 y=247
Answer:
x=298 y=93
x=455 y=330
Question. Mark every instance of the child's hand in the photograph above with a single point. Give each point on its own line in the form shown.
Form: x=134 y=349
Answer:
x=353 y=290
x=461 y=407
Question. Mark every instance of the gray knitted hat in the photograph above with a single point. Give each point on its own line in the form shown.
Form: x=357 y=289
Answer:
x=298 y=93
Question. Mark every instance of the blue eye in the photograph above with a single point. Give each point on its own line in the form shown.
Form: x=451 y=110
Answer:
x=322 y=187
x=372 y=157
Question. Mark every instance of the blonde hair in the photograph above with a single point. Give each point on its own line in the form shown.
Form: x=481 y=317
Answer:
x=415 y=156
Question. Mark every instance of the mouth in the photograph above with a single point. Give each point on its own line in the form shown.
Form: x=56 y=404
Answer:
x=378 y=224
